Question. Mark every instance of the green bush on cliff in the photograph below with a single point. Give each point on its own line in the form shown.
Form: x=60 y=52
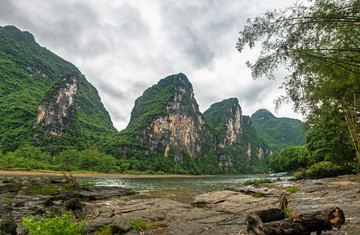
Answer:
x=64 y=225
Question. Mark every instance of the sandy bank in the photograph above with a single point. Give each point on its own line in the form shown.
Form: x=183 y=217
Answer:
x=9 y=172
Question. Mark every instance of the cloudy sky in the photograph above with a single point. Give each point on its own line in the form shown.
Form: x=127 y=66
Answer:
x=125 y=46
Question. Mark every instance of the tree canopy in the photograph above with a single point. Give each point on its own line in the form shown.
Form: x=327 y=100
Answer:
x=318 y=42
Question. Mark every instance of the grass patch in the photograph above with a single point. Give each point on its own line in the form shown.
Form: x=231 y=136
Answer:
x=269 y=185
x=158 y=224
x=139 y=225
x=257 y=182
x=36 y=189
x=257 y=195
x=8 y=201
x=287 y=213
x=292 y=189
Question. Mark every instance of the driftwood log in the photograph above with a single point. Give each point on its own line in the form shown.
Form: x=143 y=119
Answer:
x=273 y=222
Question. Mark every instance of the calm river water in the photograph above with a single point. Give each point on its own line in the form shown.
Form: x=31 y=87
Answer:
x=179 y=189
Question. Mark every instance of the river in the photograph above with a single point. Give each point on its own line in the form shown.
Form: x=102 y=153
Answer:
x=179 y=189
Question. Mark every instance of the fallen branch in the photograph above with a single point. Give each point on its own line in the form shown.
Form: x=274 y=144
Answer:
x=273 y=222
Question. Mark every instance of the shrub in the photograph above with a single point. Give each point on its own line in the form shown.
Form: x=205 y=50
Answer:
x=139 y=225
x=292 y=189
x=321 y=170
x=63 y=225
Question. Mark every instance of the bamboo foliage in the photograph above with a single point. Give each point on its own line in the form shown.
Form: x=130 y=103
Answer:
x=319 y=45
x=352 y=117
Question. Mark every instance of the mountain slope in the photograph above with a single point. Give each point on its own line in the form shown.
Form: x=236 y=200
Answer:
x=167 y=118
x=278 y=133
x=167 y=126
x=237 y=139
x=30 y=77
x=225 y=117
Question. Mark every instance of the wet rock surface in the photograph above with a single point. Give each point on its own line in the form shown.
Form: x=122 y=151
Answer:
x=342 y=191
x=220 y=212
x=22 y=197
x=224 y=212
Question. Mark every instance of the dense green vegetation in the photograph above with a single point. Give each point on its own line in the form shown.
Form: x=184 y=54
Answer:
x=327 y=152
x=29 y=74
x=216 y=117
x=319 y=45
x=289 y=159
x=139 y=225
x=217 y=113
x=151 y=104
x=278 y=133
x=133 y=157
x=63 y=225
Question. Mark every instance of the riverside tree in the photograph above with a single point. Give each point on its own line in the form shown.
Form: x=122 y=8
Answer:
x=318 y=43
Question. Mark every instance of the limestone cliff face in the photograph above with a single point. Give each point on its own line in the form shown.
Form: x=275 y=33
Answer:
x=226 y=117
x=233 y=124
x=181 y=127
x=56 y=113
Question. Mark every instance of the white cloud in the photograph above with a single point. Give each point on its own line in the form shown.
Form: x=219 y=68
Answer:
x=125 y=46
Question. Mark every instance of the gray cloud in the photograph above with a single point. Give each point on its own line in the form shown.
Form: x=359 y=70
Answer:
x=125 y=46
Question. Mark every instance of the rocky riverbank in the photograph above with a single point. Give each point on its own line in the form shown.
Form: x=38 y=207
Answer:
x=220 y=212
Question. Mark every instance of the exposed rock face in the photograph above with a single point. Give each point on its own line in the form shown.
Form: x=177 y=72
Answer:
x=248 y=152
x=181 y=128
x=22 y=197
x=219 y=212
x=233 y=124
x=56 y=114
x=261 y=153
x=166 y=121
x=226 y=117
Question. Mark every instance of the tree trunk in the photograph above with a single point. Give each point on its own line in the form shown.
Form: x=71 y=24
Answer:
x=270 y=222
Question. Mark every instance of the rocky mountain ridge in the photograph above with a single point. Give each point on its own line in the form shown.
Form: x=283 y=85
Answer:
x=45 y=101
x=57 y=113
x=166 y=120
x=181 y=127
x=278 y=133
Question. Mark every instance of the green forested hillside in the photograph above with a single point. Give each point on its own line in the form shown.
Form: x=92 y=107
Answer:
x=151 y=104
x=316 y=42
x=53 y=118
x=278 y=133
x=28 y=72
x=216 y=114
x=248 y=151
